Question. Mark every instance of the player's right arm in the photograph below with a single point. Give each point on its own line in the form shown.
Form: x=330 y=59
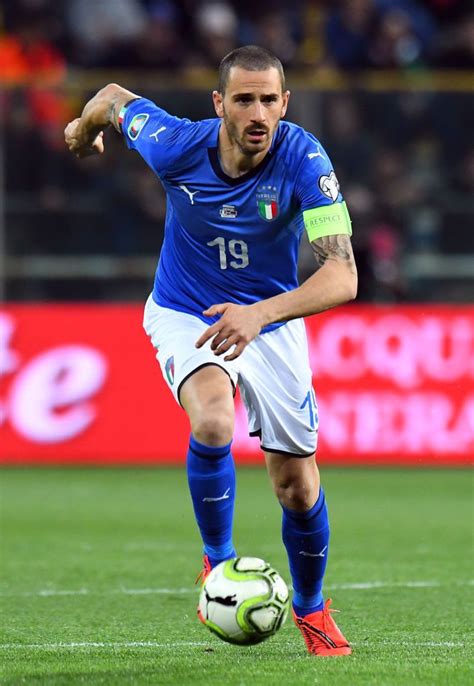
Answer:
x=162 y=139
x=84 y=135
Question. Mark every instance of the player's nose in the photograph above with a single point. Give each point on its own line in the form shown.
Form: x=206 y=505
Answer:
x=258 y=112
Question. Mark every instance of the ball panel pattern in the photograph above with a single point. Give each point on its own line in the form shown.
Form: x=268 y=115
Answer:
x=244 y=601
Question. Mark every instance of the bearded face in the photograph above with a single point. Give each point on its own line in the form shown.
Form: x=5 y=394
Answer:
x=251 y=108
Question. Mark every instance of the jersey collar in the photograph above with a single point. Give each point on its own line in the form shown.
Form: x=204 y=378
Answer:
x=236 y=181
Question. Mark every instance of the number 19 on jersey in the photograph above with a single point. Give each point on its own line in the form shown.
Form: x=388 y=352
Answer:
x=234 y=248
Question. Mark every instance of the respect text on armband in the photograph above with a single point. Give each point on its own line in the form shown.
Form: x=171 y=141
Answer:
x=327 y=220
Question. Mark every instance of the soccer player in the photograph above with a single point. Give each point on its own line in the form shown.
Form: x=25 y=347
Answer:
x=226 y=308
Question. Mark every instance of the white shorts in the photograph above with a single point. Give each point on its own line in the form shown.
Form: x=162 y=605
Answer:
x=273 y=375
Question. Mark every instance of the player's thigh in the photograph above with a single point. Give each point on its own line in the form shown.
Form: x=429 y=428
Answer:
x=173 y=335
x=295 y=480
x=275 y=380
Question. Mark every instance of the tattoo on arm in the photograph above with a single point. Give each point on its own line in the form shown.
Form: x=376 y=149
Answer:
x=113 y=113
x=337 y=247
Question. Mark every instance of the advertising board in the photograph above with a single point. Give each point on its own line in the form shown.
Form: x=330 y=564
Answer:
x=80 y=384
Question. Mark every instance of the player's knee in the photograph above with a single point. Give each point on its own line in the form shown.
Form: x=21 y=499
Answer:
x=213 y=429
x=295 y=495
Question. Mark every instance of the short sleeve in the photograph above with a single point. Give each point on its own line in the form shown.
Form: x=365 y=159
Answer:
x=317 y=189
x=160 y=138
x=316 y=184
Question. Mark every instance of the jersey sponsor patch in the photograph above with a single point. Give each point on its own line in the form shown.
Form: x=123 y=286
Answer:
x=329 y=185
x=228 y=212
x=136 y=125
x=267 y=202
x=327 y=220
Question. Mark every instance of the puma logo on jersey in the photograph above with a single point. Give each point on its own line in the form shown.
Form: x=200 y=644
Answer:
x=155 y=135
x=191 y=194
x=316 y=154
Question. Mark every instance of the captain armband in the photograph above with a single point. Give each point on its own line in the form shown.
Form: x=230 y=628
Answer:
x=327 y=220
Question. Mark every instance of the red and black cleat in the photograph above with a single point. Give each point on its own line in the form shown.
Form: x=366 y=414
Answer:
x=321 y=633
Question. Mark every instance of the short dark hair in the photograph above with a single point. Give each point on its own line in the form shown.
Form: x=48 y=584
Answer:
x=251 y=58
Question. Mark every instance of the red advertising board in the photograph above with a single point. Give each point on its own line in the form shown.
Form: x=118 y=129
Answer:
x=80 y=384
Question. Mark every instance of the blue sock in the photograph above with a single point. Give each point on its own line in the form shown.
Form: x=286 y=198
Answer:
x=211 y=479
x=306 y=538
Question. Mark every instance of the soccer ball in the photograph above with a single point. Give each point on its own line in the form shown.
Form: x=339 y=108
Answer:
x=243 y=601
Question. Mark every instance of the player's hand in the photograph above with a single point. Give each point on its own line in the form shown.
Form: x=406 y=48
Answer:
x=237 y=326
x=75 y=142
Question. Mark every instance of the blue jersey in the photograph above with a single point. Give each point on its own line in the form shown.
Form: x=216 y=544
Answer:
x=228 y=239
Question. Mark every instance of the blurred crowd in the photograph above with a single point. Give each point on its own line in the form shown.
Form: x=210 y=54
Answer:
x=402 y=157
x=149 y=34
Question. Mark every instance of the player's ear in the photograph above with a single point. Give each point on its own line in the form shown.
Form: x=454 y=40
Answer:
x=286 y=97
x=218 y=105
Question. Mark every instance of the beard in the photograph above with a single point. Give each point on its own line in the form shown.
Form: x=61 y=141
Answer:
x=247 y=147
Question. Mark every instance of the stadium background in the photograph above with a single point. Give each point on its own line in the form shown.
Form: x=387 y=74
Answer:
x=387 y=87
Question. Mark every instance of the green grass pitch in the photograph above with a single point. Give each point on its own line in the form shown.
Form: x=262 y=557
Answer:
x=98 y=569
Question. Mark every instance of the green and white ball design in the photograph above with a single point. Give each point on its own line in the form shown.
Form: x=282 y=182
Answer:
x=244 y=600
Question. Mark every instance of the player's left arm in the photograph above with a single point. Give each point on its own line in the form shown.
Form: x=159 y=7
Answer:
x=329 y=228
x=84 y=135
x=334 y=283
x=329 y=231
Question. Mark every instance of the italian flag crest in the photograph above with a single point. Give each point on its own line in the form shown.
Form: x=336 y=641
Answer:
x=267 y=202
